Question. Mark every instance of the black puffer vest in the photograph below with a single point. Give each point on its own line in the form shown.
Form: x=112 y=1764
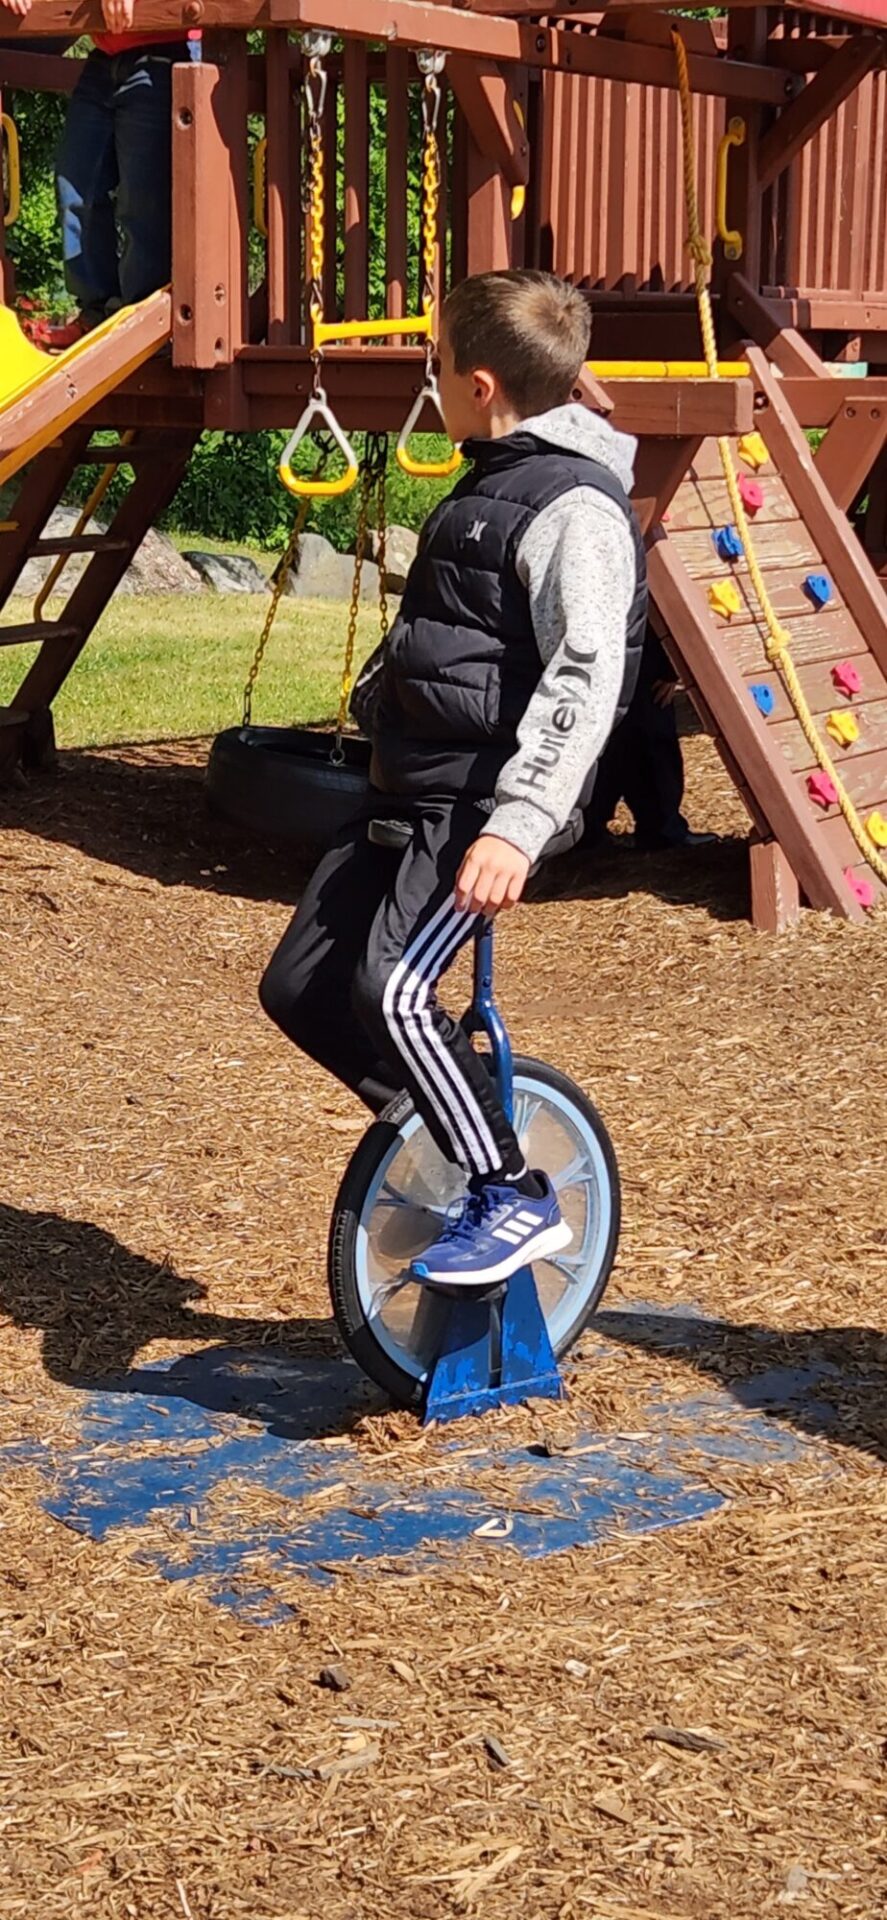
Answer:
x=461 y=663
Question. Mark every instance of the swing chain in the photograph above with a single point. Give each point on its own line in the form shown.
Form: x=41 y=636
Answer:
x=316 y=46
x=431 y=65
x=280 y=579
x=373 y=469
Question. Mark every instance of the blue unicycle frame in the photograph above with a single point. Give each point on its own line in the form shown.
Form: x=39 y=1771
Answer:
x=483 y=1016
x=495 y=1350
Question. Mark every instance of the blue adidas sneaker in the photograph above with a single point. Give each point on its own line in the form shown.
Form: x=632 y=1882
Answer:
x=497 y=1231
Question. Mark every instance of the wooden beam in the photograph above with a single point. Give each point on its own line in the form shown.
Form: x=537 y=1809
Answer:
x=680 y=601
x=397 y=76
x=485 y=97
x=410 y=23
x=38 y=494
x=821 y=98
x=853 y=576
x=660 y=467
x=787 y=348
x=851 y=449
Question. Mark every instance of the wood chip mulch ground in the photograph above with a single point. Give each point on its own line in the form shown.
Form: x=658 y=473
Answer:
x=690 y=1725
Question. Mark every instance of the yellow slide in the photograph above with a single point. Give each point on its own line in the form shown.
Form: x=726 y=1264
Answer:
x=43 y=393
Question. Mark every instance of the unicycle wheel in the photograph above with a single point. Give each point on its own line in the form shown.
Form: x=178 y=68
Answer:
x=395 y=1193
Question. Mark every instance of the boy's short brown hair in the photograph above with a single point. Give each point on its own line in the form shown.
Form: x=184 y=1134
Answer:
x=528 y=328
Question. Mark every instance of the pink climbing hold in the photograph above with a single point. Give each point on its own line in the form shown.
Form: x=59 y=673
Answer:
x=751 y=493
x=862 y=890
x=845 y=677
x=822 y=789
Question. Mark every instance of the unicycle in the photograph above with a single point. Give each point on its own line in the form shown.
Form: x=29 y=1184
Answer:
x=398 y=1187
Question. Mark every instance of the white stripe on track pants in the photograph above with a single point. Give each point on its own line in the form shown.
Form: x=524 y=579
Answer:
x=353 y=981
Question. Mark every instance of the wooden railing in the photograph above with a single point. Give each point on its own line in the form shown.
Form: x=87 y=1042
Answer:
x=597 y=152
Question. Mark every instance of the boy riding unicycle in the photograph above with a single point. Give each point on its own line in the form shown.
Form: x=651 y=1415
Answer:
x=515 y=652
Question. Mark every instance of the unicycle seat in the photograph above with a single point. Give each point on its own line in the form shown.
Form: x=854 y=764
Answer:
x=495 y=1342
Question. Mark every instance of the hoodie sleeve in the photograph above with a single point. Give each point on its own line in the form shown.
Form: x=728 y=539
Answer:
x=577 y=561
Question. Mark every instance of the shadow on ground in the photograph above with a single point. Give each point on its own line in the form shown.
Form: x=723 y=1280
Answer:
x=829 y=1382
x=97 y=1304
x=143 y=808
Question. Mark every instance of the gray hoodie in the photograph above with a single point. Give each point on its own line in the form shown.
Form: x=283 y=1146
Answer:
x=577 y=562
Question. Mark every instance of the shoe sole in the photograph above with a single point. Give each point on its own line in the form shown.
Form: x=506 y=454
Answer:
x=551 y=1240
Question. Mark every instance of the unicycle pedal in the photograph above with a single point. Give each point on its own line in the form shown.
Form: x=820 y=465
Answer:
x=494 y=1350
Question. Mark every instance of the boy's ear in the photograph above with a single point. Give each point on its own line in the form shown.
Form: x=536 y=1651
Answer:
x=484 y=386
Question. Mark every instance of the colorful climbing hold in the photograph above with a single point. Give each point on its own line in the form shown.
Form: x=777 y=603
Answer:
x=724 y=597
x=876 y=828
x=846 y=678
x=862 y=890
x=753 y=450
x=822 y=789
x=818 y=588
x=751 y=493
x=763 y=696
x=843 y=727
x=728 y=545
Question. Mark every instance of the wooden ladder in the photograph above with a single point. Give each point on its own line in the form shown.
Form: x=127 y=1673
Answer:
x=800 y=848
x=158 y=458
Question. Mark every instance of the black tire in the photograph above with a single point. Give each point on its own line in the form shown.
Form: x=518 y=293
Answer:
x=281 y=784
x=402 y=1386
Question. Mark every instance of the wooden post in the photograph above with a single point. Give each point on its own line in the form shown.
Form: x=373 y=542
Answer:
x=210 y=208
x=282 y=188
x=775 y=894
x=489 y=213
x=397 y=76
x=746 y=40
x=356 y=248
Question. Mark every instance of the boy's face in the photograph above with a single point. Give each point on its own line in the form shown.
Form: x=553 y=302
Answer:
x=468 y=400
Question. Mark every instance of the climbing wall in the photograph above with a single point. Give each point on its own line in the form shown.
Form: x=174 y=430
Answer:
x=700 y=582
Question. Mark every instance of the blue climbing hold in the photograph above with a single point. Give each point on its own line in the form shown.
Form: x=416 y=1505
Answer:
x=818 y=588
x=728 y=545
x=763 y=697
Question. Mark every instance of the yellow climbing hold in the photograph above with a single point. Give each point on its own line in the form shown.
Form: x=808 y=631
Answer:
x=843 y=727
x=876 y=828
x=752 y=449
x=724 y=597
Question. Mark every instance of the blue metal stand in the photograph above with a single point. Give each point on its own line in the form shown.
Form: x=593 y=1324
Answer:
x=495 y=1349
x=495 y=1352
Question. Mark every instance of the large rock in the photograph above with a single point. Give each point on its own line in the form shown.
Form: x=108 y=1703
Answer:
x=157 y=567
x=228 y=572
x=320 y=573
x=401 y=547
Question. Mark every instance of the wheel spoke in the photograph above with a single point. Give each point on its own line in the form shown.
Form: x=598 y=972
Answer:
x=526 y=1108
x=572 y=1176
x=572 y=1270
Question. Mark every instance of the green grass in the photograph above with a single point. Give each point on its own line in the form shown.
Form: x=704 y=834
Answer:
x=171 y=667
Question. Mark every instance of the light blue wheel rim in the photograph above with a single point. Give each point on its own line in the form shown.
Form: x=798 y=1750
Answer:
x=408 y=1197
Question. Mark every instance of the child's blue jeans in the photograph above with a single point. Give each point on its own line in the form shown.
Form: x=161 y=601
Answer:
x=114 y=171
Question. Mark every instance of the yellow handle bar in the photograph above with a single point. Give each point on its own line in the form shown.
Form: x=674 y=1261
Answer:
x=327 y=330
x=260 y=157
x=732 y=239
x=424 y=469
x=318 y=412
x=14 y=170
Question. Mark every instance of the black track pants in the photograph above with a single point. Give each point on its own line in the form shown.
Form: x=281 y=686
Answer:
x=353 y=981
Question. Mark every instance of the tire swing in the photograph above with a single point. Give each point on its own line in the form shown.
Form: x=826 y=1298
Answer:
x=299 y=785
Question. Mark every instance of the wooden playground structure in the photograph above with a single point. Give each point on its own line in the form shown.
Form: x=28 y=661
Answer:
x=573 y=141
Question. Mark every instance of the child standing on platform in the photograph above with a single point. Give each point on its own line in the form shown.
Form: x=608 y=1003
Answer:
x=114 y=169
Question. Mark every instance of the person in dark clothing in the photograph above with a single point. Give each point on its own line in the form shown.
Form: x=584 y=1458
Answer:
x=642 y=764
x=516 y=647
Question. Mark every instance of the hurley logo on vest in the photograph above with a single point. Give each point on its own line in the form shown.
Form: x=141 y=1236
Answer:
x=573 y=673
x=476 y=530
